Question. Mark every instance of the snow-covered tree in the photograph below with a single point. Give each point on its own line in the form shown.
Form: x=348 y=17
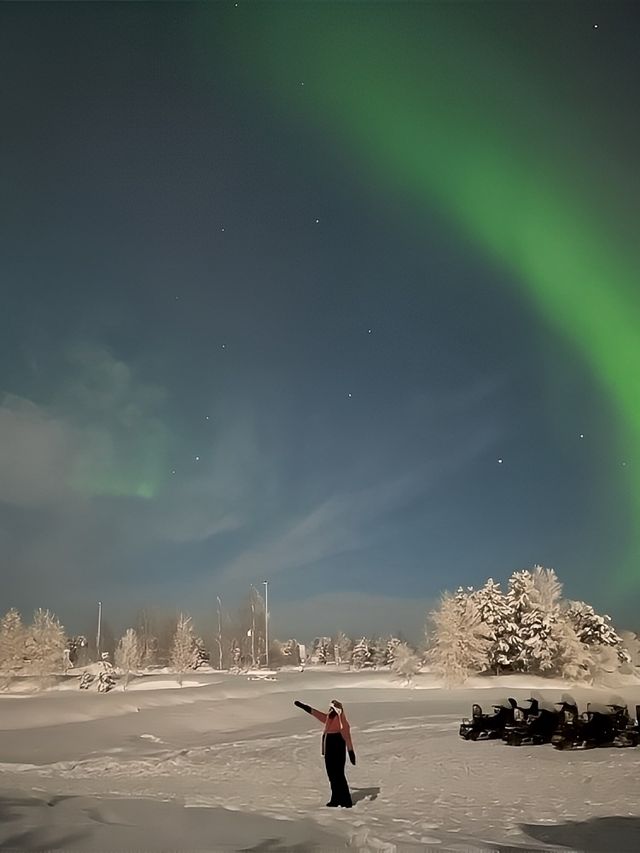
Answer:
x=342 y=648
x=605 y=664
x=534 y=599
x=182 y=647
x=361 y=655
x=593 y=629
x=78 y=647
x=459 y=641
x=406 y=662
x=379 y=652
x=631 y=643
x=393 y=644
x=322 y=649
x=13 y=636
x=128 y=655
x=45 y=643
x=496 y=614
x=539 y=625
x=575 y=660
x=199 y=655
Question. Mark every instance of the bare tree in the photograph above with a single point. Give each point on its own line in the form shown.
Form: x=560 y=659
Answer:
x=406 y=662
x=13 y=637
x=45 y=643
x=128 y=654
x=182 y=647
x=460 y=642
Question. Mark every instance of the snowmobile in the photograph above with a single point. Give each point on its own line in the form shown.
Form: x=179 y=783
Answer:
x=488 y=726
x=531 y=726
x=596 y=728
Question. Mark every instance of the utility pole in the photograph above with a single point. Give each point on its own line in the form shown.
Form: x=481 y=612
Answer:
x=99 y=628
x=253 y=627
x=219 y=630
x=266 y=621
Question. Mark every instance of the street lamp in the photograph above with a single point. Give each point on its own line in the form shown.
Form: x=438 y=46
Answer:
x=99 y=627
x=266 y=621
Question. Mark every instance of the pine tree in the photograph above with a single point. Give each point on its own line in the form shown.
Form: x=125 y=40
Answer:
x=460 y=644
x=496 y=615
x=322 y=648
x=379 y=654
x=199 y=656
x=182 y=647
x=595 y=630
x=342 y=648
x=45 y=643
x=405 y=662
x=361 y=655
x=393 y=644
x=129 y=654
x=520 y=601
x=534 y=599
x=13 y=638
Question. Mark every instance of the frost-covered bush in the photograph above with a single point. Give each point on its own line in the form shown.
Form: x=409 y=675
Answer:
x=406 y=662
x=459 y=643
x=129 y=654
x=182 y=646
x=13 y=637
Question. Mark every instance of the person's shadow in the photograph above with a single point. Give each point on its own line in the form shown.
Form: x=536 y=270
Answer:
x=358 y=794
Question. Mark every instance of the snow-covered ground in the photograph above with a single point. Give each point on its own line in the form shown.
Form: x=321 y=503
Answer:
x=226 y=763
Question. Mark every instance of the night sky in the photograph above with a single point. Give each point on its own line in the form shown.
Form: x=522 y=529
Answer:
x=341 y=296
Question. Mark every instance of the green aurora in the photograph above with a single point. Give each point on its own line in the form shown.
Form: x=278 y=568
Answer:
x=428 y=116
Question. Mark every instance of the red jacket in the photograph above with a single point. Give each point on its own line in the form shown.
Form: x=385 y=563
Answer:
x=334 y=725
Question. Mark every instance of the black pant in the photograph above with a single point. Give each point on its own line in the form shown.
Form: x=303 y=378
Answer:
x=335 y=754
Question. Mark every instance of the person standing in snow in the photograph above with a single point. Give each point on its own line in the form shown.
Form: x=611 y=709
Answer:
x=336 y=742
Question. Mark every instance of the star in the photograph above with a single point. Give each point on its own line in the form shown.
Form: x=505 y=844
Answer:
x=349 y=395
x=500 y=461
x=581 y=435
x=302 y=82
x=222 y=229
x=317 y=221
x=369 y=331
x=623 y=463
x=223 y=346
x=595 y=26
x=206 y=417
x=197 y=458
x=173 y=471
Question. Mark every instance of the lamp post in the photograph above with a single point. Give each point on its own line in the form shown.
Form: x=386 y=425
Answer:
x=99 y=627
x=266 y=621
x=219 y=631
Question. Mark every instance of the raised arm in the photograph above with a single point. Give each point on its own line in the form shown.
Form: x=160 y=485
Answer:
x=319 y=715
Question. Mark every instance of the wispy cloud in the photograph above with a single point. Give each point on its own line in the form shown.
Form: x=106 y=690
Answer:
x=347 y=521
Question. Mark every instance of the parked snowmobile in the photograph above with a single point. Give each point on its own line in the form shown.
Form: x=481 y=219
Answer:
x=596 y=728
x=488 y=726
x=531 y=726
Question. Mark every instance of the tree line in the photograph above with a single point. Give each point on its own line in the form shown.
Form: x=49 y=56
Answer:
x=528 y=628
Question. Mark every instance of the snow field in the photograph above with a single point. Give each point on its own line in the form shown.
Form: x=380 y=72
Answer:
x=242 y=746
